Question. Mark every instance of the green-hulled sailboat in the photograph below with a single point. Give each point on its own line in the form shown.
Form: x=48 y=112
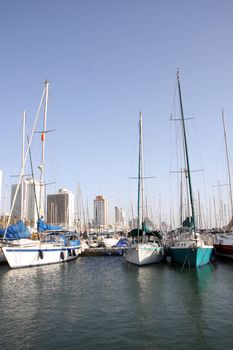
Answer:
x=189 y=248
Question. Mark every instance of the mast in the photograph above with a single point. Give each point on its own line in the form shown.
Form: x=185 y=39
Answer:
x=140 y=185
x=181 y=199
x=186 y=155
x=200 y=224
x=41 y=167
x=142 y=180
x=22 y=163
x=228 y=162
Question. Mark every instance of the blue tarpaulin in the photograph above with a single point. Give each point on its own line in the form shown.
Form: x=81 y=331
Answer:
x=16 y=231
x=42 y=226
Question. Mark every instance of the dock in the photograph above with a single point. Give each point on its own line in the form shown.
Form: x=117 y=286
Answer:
x=102 y=251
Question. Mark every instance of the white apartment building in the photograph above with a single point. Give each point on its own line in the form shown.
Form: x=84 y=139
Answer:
x=60 y=208
x=100 y=212
x=26 y=205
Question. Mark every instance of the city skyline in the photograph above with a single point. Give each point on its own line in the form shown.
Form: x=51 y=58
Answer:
x=105 y=61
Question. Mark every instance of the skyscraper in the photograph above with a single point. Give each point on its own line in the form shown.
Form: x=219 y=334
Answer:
x=60 y=208
x=101 y=212
x=26 y=205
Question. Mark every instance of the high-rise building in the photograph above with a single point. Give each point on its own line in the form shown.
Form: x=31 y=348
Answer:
x=32 y=201
x=26 y=206
x=60 y=208
x=100 y=212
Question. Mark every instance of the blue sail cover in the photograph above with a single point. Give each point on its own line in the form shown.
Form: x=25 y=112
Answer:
x=42 y=226
x=16 y=231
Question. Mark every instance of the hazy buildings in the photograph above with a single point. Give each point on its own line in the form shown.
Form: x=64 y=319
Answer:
x=26 y=205
x=119 y=219
x=60 y=208
x=100 y=213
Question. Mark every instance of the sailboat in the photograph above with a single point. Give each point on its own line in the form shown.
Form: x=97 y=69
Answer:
x=52 y=244
x=190 y=248
x=145 y=247
x=18 y=230
x=224 y=244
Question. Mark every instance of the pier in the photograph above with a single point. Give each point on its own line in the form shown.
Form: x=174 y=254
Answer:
x=102 y=251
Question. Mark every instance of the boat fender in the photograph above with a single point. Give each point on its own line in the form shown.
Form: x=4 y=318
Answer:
x=41 y=254
x=74 y=252
x=62 y=255
x=69 y=252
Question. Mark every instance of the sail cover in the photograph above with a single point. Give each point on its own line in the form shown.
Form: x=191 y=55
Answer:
x=16 y=231
x=42 y=226
x=134 y=233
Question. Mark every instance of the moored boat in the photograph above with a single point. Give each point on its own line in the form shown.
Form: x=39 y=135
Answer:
x=52 y=244
x=190 y=247
x=191 y=252
x=223 y=245
x=142 y=251
x=55 y=247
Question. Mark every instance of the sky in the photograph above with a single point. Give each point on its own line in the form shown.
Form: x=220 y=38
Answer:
x=106 y=60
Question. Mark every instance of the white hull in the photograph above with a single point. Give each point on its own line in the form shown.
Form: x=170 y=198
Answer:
x=2 y=257
x=39 y=254
x=144 y=254
x=109 y=242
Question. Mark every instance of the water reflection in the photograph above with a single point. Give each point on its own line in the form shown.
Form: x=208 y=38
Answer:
x=170 y=305
x=32 y=296
x=102 y=303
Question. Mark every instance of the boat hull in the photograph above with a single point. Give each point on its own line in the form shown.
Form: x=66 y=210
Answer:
x=191 y=256
x=225 y=250
x=18 y=257
x=2 y=257
x=144 y=255
x=109 y=242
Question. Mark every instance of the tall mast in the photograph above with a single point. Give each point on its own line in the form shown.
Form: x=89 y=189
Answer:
x=42 y=194
x=186 y=155
x=228 y=162
x=142 y=178
x=139 y=172
x=22 y=163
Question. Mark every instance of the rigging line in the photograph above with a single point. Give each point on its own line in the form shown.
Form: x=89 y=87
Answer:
x=24 y=162
x=33 y=179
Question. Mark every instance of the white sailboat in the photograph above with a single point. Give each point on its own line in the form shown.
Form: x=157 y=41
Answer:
x=52 y=245
x=19 y=230
x=143 y=251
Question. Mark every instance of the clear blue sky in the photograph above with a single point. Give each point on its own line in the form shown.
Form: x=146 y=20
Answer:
x=106 y=60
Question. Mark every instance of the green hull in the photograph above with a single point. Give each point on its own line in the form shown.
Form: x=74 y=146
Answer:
x=193 y=257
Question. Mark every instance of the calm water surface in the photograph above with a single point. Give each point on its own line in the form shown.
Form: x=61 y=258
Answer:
x=95 y=302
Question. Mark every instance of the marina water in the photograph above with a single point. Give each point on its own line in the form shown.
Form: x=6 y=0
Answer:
x=101 y=302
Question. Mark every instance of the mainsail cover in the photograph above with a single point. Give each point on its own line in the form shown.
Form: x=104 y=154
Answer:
x=42 y=226
x=134 y=232
x=15 y=231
